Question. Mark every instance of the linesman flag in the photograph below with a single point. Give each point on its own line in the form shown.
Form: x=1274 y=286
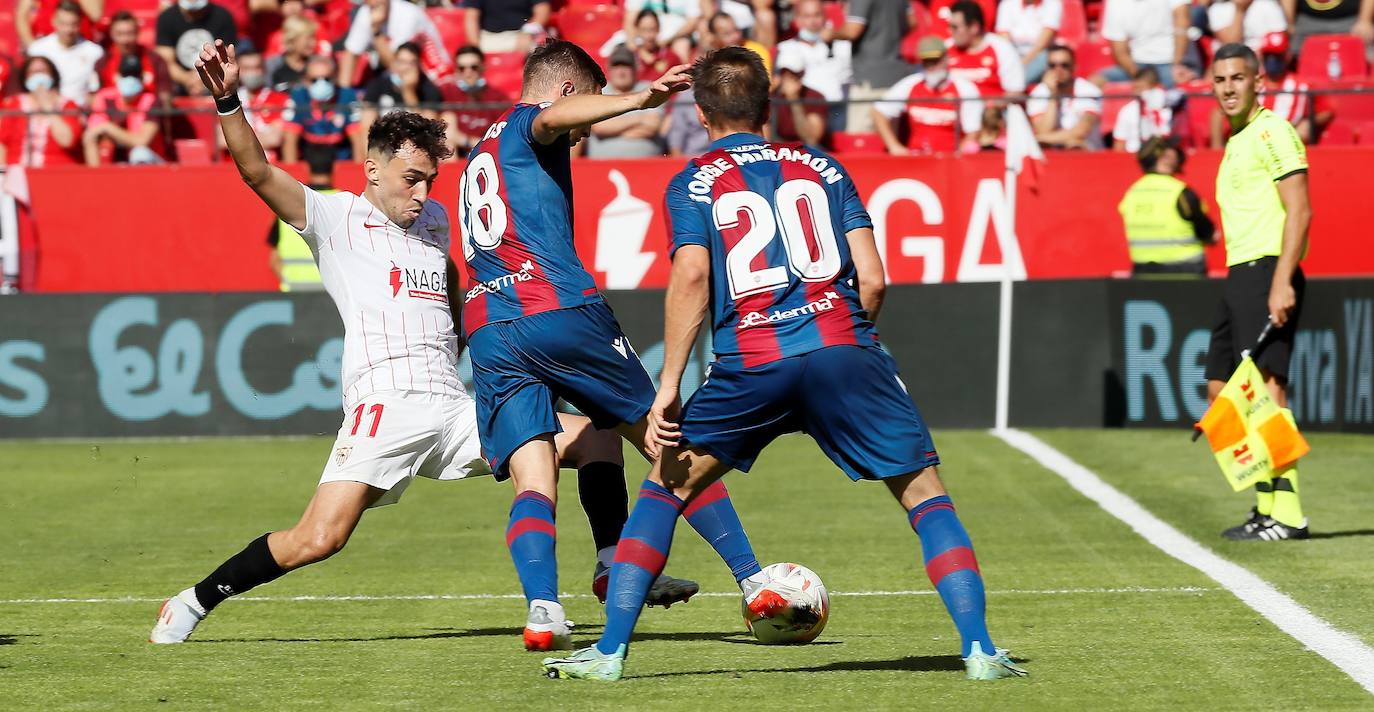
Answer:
x=1249 y=434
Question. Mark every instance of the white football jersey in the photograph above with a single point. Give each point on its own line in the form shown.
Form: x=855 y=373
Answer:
x=390 y=286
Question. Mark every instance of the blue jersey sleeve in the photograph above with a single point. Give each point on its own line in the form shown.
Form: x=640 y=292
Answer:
x=686 y=221
x=854 y=212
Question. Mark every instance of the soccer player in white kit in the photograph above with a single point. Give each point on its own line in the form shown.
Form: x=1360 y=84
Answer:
x=384 y=258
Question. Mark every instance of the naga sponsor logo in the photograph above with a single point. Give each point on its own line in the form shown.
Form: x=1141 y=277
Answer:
x=495 y=285
x=419 y=283
x=753 y=319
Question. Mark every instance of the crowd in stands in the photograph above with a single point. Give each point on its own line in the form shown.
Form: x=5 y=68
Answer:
x=113 y=81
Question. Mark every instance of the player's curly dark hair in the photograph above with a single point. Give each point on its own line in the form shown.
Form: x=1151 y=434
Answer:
x=731 y=87
x=398 y=128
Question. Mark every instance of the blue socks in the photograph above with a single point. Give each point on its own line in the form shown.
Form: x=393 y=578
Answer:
x=639 y=558
x=950 y=563
x=713 y=516
x=530 y=537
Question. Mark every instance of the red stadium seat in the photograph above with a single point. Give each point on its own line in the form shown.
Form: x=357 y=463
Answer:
x=1073 y=27
x=1115 y=96
x=504 y=71
x=192 y=152
x=1356 y=105
x=9 y=37
x=1340 y=133
x=1364 y=133
x=147 y=25
x=589 y=27
x=198 y=122
x=858 y=144
x=1319 y=50
x=909 y=44
x=1093 y=57
x=1200 y=107
x=449 y=22
x=114 y=6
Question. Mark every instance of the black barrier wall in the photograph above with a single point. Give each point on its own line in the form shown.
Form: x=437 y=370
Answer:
x=1084 y=354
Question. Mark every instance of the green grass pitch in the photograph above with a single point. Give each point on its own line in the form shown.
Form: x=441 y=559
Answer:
x=1101 y=618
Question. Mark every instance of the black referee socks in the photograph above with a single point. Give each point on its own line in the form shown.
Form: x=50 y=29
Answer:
x=601 y=488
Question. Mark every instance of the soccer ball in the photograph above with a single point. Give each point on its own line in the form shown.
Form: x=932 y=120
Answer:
x=790 y=609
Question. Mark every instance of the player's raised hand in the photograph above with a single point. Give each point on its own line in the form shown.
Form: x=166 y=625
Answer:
x=218 y=67
x=663 y=427
x=677 y=79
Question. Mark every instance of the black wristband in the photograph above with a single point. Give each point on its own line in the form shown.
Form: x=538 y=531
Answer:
x=228 y=104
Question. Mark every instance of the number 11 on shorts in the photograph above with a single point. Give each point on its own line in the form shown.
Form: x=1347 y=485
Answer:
x=375 y=411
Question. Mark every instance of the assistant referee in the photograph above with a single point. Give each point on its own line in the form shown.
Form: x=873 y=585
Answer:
x=1262 y=191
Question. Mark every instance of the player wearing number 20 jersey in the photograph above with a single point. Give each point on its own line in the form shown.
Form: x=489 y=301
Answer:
x=774 y=217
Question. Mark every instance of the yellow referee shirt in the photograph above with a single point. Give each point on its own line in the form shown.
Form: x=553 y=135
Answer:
x=1262 y=153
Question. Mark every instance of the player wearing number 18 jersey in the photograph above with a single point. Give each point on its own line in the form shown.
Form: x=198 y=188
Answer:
x=773 y=240
x=538 y=329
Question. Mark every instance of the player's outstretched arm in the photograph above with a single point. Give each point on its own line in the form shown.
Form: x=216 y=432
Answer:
x=868 y=264
x=219 y=72
x=684 y=310
x=583 y=110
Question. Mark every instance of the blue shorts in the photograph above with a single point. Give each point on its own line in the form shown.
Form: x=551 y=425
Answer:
x=521 y=367
x=849 y=398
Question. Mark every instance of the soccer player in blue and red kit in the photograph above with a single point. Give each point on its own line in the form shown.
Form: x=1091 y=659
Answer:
x=773 y=239
x=538 y=329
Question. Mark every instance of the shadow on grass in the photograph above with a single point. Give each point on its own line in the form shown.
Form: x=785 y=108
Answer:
x=1342 y=535
x=441 y=633
x=911 y=663
x=8 y=639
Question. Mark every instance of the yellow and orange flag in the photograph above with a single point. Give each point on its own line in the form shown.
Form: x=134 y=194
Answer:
x=1249 y=434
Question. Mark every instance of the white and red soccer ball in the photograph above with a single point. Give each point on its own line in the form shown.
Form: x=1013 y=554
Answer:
x=790 y=609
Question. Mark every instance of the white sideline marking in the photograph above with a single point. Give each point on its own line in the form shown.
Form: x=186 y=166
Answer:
x=516 y=596
x=1347 y=652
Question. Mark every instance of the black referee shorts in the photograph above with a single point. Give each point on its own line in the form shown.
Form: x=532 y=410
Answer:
x=1241 y=317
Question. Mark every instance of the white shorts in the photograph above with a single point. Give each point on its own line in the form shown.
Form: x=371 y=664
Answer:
x=390 y=437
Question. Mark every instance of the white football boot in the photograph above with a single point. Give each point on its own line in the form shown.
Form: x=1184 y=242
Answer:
x=547 y=627
x=177 y=618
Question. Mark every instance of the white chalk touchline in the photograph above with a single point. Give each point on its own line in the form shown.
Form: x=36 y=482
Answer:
x=1347 y=652
x=516 y=596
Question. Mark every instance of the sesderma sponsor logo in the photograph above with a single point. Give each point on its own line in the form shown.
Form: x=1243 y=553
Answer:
x=753 y=319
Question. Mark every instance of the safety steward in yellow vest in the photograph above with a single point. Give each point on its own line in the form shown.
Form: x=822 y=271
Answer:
x=292 y=260
x=1167 y=225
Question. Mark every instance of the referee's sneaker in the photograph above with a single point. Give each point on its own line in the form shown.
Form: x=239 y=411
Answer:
x=1262 y=191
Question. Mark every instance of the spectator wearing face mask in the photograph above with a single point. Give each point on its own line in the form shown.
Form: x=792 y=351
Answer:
x=480 y=104
x=934 y=108
x=183 y=29
x=828 y=64
x=263 y=106
x=37 y=139
x=322 y=123
x=124 y=43
x=34 y=18
x=381 y=26
x=74 y=56
x=299 y=42
x=403 y=86
x=120 y=125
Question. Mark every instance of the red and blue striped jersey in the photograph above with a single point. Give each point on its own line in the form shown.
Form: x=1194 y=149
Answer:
x=515 y=210
x=774 y=217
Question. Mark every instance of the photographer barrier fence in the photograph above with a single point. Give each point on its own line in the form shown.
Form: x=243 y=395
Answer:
x=1087 y=353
